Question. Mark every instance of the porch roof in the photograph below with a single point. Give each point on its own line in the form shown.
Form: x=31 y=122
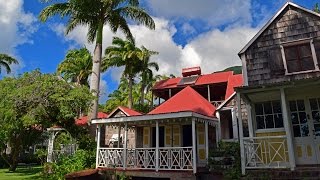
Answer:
x=186 y=100
x=148 y=117
x=125 y=110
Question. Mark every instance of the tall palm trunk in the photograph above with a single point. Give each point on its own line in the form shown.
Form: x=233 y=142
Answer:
x=95 y=77
x=142 y=93
x=130 y=101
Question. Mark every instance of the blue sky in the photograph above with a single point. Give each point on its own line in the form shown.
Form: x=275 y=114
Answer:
x=208 y=33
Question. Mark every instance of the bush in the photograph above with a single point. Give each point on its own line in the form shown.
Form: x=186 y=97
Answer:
x=226 y=159
x=81 y=160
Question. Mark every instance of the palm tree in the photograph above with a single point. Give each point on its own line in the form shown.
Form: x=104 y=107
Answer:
x=146 y=74
x=124 y=53
x=95 y=14
x=6 y=61
x=77 y=66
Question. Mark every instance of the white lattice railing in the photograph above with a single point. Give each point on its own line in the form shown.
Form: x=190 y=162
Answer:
x=179 y=158
x=173 y=158
x=266 y=152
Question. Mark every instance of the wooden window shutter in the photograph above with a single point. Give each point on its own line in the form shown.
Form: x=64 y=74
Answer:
x=275 y=61
x=316 y=44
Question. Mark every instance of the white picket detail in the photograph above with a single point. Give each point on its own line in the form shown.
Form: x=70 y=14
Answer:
x=173 y=158
x=266 y=152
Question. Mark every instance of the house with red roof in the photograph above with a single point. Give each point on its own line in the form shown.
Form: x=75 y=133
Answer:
x=177 y=134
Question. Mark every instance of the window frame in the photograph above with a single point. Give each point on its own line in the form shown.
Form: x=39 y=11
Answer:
x=274 y=129
x=297 y=43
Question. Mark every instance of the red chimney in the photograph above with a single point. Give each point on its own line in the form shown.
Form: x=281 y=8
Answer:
x=191 y=71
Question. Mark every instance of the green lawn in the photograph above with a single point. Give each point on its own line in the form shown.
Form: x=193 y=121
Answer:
x=21 y=173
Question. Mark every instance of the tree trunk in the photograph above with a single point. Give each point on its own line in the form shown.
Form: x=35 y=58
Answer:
x=95 y=77
x=142 y=93
x=130 y=92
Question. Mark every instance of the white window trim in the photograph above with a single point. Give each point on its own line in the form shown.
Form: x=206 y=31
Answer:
x=313 y=52
x=270 y=130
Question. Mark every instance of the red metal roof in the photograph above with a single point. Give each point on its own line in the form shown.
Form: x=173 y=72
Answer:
x=82 y=121
x=233 y=81
x=126 y=111
x=168 y=83
x=186 y=100
x=217 y=77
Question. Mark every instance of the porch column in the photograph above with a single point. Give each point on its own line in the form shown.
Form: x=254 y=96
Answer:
x=170 y=93
x=157 y=145
x=235 y=126
x=241 y=134
x=287 y=129
x=209 y=95
x=207 y=140
x=98 y=144
x=119 y=134
x=250 y=121
x=194 y=143
x=125 y=145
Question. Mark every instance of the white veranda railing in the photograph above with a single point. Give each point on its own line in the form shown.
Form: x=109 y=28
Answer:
x=266 y=152
x=173 y=158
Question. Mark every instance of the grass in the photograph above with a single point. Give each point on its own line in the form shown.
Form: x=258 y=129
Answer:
x=21 y=173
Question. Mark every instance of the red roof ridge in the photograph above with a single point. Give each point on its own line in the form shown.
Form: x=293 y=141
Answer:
x=82 y=121
x=186 y=100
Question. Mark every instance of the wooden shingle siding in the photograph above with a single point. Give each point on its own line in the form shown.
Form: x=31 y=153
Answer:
x=263 y=57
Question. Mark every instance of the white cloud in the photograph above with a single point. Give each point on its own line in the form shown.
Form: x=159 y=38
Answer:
x=17 y=27
x=213 y=50
x=214 y=12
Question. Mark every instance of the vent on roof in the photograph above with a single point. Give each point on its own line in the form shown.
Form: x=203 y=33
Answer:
x=191 y=71
x=188 y=80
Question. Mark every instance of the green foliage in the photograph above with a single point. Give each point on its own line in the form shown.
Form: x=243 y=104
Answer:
x=226 y=158
x=6 y=61
x=76 y=67
x=316 y=8
x=235 y=69
x=62 y=138
x=33 y=102
x=41 y=154
x=82 y=159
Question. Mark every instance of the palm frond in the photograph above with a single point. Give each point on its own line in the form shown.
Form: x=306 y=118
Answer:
x=59 y=8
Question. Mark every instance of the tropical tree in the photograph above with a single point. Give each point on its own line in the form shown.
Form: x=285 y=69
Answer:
x=6 y=61
x=95 y=14
x=124 y=53
x=77 y=66
x=146 y=73
x=33 y=102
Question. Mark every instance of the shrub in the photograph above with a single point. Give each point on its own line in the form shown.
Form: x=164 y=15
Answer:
x=226 y=159
x=81 y=160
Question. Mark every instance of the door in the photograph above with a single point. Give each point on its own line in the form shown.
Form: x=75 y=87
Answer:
x=304 y=119
x=172 y=136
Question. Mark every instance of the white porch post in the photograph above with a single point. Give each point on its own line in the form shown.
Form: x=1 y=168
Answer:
x=170 y=93
x=209 y=95
x=125 y=145
x=157 y=145
x=243 y=170
x=119 y=134
x=194 y=143
x=206 y=131
x=98 y=144
x=235 y=127
x=250 y=122
x=287 y=129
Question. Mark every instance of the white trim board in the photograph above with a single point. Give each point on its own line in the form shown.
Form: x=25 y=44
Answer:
x=148 y=117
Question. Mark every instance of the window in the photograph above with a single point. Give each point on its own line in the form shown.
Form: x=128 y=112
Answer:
x=268 y=115
x=299 y=57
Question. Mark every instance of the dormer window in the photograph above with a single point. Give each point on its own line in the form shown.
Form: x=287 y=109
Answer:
x=299 y=57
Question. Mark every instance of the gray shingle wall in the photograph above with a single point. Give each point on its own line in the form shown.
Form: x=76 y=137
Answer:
x=293 y=24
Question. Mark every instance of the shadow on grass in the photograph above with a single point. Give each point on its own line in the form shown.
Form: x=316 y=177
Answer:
x=32 y=172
